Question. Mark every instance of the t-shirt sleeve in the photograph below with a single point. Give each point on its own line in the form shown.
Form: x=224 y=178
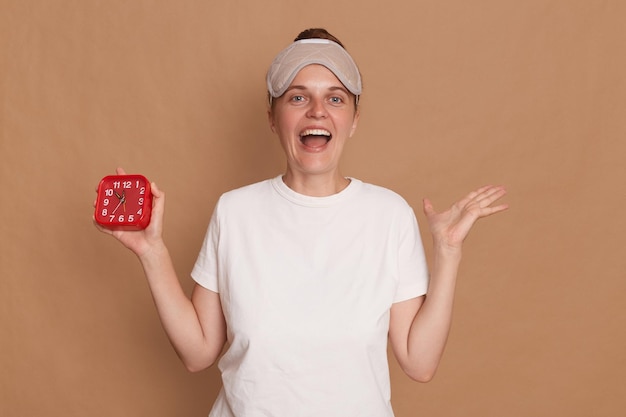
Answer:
x=205 y=270
x=412 y=267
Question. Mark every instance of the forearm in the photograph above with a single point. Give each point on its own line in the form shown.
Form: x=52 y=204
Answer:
x=197 y=348
x=429 y=330
x=419 y=328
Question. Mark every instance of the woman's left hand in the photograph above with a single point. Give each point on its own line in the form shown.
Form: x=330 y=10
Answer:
x=450 y=228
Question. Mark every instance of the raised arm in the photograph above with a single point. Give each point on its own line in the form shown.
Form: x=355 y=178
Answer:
x=419 y=327
x=196 y=326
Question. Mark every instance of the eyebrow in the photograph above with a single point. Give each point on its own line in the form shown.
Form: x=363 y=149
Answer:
x=333 y=88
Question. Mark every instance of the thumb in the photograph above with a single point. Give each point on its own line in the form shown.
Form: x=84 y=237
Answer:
x=158 y=199
x=156 y=191
x=428 y=207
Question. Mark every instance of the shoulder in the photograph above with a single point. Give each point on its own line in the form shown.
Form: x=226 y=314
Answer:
x=245 y=194
x=381 y=196
x=243 y=202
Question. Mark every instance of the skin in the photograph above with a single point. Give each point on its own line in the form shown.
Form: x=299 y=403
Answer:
x=316 y=102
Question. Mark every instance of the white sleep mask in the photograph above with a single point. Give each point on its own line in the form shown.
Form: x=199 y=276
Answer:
x=305 y=52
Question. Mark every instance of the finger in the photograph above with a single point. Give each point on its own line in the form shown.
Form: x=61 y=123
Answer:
x=120 y=171
x=483 y=192
x=488 y=211
x=473 y=195
x=480 y=194
x=158 y=208
x=156 y=191
x=490 y=195
x=491 y=189
x=483 y=189
x=496 y=209
x=428 y=207
x=158 y=199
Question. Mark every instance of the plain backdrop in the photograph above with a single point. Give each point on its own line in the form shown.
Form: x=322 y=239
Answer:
x=529 y=94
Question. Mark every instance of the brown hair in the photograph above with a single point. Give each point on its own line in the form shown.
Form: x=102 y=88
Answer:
x=317 y=33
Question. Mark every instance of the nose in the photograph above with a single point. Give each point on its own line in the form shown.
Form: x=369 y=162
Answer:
x=317 y=109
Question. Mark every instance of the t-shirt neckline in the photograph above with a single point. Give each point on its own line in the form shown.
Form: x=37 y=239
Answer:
x=310 y=201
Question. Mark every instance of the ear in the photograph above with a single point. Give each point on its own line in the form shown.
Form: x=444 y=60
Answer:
x=270 y=120
x=355 y=122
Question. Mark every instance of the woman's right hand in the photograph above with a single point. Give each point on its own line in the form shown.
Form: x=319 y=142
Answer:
x=143 y=241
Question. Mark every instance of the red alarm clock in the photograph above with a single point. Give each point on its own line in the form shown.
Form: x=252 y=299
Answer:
x=124 y=202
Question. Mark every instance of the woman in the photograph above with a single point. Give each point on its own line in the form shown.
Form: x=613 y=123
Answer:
x=307 y=275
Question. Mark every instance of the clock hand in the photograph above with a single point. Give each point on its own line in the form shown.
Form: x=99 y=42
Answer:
x=122 y=198
x=116 y=207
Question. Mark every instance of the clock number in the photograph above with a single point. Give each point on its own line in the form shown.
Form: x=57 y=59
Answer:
x=123 y=202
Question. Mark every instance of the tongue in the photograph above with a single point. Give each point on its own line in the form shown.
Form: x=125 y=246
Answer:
x=314 y=141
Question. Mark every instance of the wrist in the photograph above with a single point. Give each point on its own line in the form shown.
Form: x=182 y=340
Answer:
x=445 y=267
x=446 y=251
x=156 y=250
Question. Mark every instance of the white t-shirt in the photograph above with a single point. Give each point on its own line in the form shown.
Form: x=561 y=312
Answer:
x=306 y=285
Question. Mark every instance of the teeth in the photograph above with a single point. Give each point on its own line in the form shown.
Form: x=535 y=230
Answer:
x=315 y=132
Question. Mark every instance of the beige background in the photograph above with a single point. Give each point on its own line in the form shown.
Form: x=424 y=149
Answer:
x=531 y=94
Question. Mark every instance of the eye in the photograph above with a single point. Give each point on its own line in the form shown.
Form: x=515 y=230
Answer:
x=336 y=100
x=297 y=98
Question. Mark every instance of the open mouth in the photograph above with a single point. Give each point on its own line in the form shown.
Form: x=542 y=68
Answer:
x=315 y=138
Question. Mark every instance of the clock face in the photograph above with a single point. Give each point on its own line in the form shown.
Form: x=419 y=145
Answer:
x=124 y=202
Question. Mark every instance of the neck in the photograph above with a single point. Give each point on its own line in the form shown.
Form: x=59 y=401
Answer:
x=316 y=185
